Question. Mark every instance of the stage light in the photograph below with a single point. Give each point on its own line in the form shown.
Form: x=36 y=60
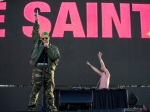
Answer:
x=148 y=34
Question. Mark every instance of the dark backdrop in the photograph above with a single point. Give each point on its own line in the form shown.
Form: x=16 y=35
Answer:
x=127 y=58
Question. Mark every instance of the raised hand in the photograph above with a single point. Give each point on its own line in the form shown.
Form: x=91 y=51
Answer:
x=36 y=16
x=88 y=63
x=99 y=55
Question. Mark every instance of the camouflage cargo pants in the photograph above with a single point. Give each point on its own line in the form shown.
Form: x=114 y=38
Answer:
x=36 y=84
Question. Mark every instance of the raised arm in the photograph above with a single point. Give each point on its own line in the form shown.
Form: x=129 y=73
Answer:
x=100 y=59
x=102 y=63
x=35 y=31
x=95 y=69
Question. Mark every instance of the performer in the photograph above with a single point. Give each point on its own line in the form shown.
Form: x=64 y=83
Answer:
x=104 y=73
x=44 y=58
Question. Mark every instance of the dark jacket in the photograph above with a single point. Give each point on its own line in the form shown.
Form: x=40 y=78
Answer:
x=52 y=51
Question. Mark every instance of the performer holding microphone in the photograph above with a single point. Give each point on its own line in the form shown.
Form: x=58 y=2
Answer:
x=44 y=58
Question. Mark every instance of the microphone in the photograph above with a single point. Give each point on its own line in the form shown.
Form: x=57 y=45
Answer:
x=45 y=43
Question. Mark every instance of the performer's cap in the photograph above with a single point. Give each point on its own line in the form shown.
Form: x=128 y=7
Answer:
x=45 y=34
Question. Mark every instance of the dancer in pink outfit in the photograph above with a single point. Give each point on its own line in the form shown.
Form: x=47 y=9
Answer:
x=103 y=72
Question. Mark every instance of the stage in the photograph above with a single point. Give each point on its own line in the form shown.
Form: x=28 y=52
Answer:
x=80 y=29
x=73 y=99
x=94 y=99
